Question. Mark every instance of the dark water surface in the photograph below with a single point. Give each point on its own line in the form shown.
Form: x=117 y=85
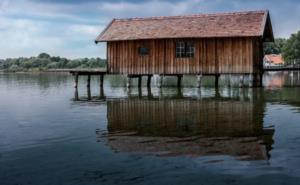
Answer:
x=167 y=136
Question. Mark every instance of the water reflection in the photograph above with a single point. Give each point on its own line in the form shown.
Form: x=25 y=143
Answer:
x=187 y=126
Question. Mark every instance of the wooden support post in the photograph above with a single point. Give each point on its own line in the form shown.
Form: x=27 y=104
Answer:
x=139 y=81
x=149 y=93
x=128 y=84
x=179 y=79
x=76 y=80
x=76 y=95
x=101 y=80
x=149 y=81
x=260 y=79
x=217 y=80
x=88 y=81
x=241 y=81
x=199 y=79
x=254 y=80
x=89 y=87
x=102 y=95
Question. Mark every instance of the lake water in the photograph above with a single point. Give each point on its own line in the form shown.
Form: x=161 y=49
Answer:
x=162 y=136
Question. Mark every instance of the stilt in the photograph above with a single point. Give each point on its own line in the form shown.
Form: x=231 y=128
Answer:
x=241 y=81
x=149 y=81
x=128 y=84
x=179 y=79
x=254 y=80
x=260 y=79
x=179 y=92
x=76 y=95
x=140 y=93
x=217 y=81
x=76 y=80
x=149 y=93
x=102 y=95
x=139 y=81
x=160 y=81
x=101 y=81
x=88 y=81
x=199 y=78
x=89 y=87
x=292 y=78
x=250 y=80
x=229 y=80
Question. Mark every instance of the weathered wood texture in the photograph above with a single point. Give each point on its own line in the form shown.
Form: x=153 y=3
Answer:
x=186 y=117
x=212 y=56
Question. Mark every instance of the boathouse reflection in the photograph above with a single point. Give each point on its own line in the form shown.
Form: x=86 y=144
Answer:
x=185 y=126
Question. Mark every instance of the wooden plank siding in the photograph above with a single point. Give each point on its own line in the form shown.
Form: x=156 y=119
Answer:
x=212 y=56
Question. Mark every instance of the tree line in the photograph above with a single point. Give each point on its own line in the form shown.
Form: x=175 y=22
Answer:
x=289 y=48
x=44 y=62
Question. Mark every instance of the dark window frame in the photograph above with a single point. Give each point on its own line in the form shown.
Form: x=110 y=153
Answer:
x=184 y=49
x=143 y=50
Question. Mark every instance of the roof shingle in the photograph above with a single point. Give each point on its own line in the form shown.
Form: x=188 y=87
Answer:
x=237 y=24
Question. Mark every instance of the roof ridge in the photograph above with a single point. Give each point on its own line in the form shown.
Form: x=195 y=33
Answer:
x=190 y=15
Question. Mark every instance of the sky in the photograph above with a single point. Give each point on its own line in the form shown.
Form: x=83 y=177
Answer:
x=68 y=28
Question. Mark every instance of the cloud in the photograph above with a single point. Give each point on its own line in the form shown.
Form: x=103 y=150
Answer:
x=68 y=28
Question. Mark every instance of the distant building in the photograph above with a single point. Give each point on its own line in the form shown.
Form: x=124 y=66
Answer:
x=273 y=60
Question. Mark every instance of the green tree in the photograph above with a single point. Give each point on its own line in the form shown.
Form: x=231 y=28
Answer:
x=291 y=49
x=275 y=47
x=44 y=55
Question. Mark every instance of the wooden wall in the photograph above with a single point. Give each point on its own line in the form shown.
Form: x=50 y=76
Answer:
x=212 y=56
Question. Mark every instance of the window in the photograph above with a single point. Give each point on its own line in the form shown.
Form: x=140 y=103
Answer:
x=185 y=49
x=143 y=51
x=180 y=49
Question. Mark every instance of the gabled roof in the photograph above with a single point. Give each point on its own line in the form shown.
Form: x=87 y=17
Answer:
x=236 y=24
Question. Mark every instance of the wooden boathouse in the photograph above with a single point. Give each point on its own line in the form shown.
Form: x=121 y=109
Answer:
x=201 y=44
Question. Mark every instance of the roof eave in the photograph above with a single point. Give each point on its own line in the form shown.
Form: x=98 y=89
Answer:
x=98 y=39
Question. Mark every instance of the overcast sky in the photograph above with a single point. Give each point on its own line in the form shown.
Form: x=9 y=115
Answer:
x=68 y=28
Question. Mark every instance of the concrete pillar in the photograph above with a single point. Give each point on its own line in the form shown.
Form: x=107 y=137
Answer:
x=128 y=83
x=160 y=81
x=250 y=80
x=229 y=81
x=179 y=79
x=241 y=81
x=199 y=79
